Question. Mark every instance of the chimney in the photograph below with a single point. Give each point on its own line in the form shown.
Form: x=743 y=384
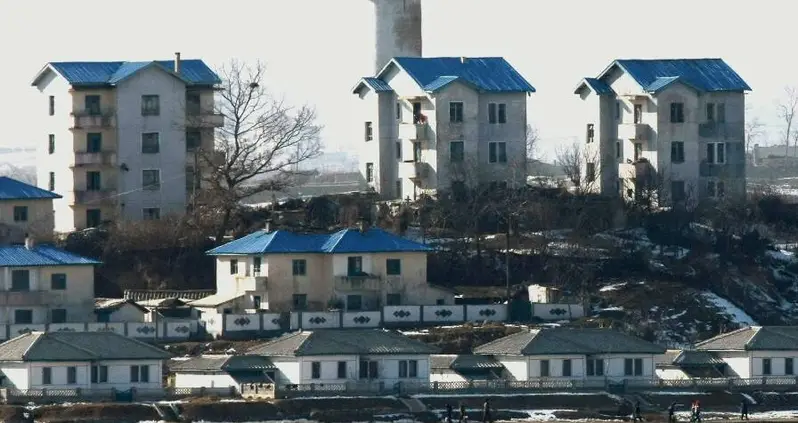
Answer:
x=177 y=62
x=29 y=244
x=268 y=226
x=463 y=60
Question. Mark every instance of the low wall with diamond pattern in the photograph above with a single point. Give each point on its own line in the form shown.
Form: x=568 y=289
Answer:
x=168 y=330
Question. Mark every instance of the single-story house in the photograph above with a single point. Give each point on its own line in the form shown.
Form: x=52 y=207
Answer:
x=688 y=364
x=250 y=375
x=756 y=351
x=110 y=310
x=85 y=360
x=169 y=309
x=573 y=354
x=347 y=355
x=463 y=368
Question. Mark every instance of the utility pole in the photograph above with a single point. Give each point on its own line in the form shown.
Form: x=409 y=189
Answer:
x=507 y=256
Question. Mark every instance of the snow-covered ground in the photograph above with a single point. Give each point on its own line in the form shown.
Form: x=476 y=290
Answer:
x=731 y=310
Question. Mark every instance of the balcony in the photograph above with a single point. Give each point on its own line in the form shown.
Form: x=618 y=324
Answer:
x=29 y=298
x=412 y=170
x=84 y=120
x=634 y=131
x=204 y=119
x=721 y=130
x=95 y=197
x=358 y=283
x=256 y=282
x=413 y=132
x=102 y=158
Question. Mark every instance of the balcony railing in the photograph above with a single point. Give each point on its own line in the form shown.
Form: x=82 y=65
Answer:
x=95 y=197
x=412 y=170
x=634 y=131
x=86 y=120
x=412 y=131
x=204 y=119
x=259 y=282
x=358 y=283
x=102 y=158
x=721 y=130
x=30 y=298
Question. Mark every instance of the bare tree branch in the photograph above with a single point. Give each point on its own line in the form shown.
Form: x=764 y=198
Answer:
x=575 y=161
x=532 y=138
x=753 y=130
x=787 y=107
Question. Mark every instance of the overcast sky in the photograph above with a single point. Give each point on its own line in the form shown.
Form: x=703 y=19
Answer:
x=316 y=50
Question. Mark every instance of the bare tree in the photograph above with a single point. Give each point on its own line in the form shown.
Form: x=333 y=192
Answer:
x=580 y=165
x=532 y=138
x=263 y=141
x=753 y=130
x=787 y=107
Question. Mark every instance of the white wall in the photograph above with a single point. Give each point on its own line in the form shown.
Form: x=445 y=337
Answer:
x=29 y=375
x=299 y=370
x=204 y=380
x=127 y=313
x=516 y=367
x=776 y=362
x=445 y=376
x=556 y=366
x=739 y=363
x=17 y=375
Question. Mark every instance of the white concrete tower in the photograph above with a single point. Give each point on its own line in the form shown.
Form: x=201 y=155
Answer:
x=398 y=30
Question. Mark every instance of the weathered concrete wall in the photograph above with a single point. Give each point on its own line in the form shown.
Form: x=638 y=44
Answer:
x=397 y=30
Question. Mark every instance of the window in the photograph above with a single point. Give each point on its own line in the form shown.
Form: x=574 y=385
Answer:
x=354 y=266
x=677 y=191
x=300 y=267
x=354 y=302
x=393 y=299
x=677 y=112
x=150 y=143
x=93 y=218
x=151 y=213
x=492 y=113
x=150 y=105
x=766 y=367
x=456 y=151
x=716 y=152
x=399 y=150
x=590 y=132
x=456 y=112
x=399 y=111
x=399 y=188
x=99 y=374
x=52 y=105
x=416 y=151
x=193 y=140
x=256 y=302
x=51 y=144
x=393 y=266
x=315 y=370
x=58 y=281
x=58 y=315
x=633 y=367
x=497 y=152
x=618 y=115
x=92 y=105
x=256 y=262
x=23 y=316
x=638 y=113
x=47 y=373
x=502 y=113
x=594 y=367
x=617 y=149
x=638 y=151
x=590 y=170
x=408 y=369
x=72 y=375
x=716 y=189
x=51 y=182
x=342 y=370
x=544 y=368
x=497 y=113
x=789 y=368
x=20 y=213
x=721 y=112
x=151 y=179
x=94 y=142
x=140 y=374
x=193 y=103
x=299 y=301
x=20 y=280
x=710 y=114
x=369 y=172
x=566 y=368
x=93 y=181
x=677 y=152
x=368 y=369
x=234 y=267
x=369 y=134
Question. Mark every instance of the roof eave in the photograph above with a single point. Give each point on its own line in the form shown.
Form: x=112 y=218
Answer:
x=48 y=67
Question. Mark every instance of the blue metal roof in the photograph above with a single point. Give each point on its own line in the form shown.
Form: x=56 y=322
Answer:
x=708 y=75
x=377 y=84
x=193 y=71
x=597 y=85
x=374 y=240
x=12 y=189
x=40 y=255
x=490 y=74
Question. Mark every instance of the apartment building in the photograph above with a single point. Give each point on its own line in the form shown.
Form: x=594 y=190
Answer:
x=42 y=284
x=25 y=209
x=352 y=269
x=441 y=123
x=674 y=126
x=120 y=139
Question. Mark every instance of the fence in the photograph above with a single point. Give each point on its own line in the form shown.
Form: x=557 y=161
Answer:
x=24 y=396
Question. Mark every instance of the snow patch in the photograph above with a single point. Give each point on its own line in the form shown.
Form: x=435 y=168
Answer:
x=729 y=309
x=613 y=287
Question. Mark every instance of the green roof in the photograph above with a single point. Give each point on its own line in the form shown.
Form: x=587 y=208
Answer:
x=220 y=363
x=556 y=341
x=77 y=346
x=342 y=342
x=754 y=338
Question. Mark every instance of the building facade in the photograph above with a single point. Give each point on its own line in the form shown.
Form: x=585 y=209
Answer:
x=120 y=140
x=25 y=210
x=756 y=352
x=674 y=129
x=441 y=123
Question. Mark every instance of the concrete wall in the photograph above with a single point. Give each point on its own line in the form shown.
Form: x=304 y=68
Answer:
x=298 y=370
x=41 y=299
x=118 y=375
x=528 y=368
x=41 y=217
x=397 y=30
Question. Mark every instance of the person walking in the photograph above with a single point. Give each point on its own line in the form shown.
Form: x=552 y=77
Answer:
x=744 y=410
x=448 y=413
x=698 y=411
x=486 y=417
x=637 y=415
x=462 y=413
x=672 y=413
